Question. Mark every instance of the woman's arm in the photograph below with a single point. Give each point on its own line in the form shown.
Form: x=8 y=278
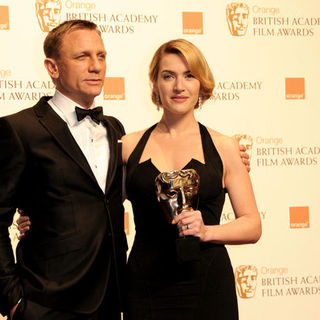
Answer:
x=246 y=228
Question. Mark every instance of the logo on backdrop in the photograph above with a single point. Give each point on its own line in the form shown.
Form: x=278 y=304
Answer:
x=267 y=22
x=299 y=217
x=274 y=282
x=228 y=216
x=279 y=282
x=237 y=18
x=295 y=88
x=48 y=13
x=12 y=89
x=192 y=22
x=273 y=152
x=113 y=88
x=233 y=90
x=246 y=281
x=4 y=18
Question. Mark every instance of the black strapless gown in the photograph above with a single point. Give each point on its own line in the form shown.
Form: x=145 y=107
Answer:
x=159 y=286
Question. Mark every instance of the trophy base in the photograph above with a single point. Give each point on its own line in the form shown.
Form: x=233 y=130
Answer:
x=188 y=249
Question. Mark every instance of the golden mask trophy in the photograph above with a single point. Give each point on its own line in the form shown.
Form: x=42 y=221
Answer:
x=178 y=191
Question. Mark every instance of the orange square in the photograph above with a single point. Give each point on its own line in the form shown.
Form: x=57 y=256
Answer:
x=192 y=22
x=126 y=223
x=295 y=88
x=299 y=217
x=4 y=18
x=113 y=88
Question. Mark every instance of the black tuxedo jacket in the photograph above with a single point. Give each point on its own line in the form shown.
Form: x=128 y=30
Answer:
x=77 y=234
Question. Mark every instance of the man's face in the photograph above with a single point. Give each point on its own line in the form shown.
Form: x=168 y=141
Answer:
x=49 y=15
x=81 y=66
x=247 y=283
x=239 y=21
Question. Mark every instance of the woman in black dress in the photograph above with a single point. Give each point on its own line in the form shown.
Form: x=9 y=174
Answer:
x=160 y=285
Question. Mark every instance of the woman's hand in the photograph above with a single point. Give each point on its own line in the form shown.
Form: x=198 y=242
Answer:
x=190 y=223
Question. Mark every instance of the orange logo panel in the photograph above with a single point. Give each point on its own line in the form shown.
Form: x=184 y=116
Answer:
x=299 y=217
x=113 y=89
x=4 y=18
x=192 y=22
x=295 y=88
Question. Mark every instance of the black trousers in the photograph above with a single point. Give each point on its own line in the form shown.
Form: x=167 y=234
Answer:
x=29 y=310
x=108 y=310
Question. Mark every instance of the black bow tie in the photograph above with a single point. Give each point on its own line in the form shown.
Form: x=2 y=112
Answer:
x=96 y=114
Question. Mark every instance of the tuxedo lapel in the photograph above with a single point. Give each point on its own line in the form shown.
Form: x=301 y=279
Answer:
x=61 y=133
x=114 y=153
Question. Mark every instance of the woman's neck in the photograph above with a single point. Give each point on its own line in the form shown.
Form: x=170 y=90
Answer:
x=177 y=125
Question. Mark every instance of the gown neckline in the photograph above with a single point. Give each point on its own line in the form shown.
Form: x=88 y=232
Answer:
x=192 y=160
x=185 y=166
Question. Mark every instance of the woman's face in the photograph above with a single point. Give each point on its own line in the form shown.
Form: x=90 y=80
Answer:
x=178 y=89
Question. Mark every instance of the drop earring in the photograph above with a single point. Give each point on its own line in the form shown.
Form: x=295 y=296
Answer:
x=158 y=101
x=200 y=101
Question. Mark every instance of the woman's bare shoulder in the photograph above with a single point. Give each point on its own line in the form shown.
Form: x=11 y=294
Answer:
x=226 y=145
x=129 y=142
x=133 y=136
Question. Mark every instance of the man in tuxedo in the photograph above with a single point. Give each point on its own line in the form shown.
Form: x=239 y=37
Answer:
x=61 y=164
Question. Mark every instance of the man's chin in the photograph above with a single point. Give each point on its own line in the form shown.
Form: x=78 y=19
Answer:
x=94 y=92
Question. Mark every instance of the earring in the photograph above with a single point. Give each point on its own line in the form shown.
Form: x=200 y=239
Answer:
x=200 y=101
x=158 y=101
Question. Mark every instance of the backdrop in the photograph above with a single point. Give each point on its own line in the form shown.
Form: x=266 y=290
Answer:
x=264 y=55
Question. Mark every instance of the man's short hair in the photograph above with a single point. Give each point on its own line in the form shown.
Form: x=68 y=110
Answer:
x=53 y=41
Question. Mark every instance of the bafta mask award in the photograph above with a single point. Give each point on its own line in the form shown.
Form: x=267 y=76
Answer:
x=177 y=190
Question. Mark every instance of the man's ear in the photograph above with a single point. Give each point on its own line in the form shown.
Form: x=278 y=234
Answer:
x=52 y=68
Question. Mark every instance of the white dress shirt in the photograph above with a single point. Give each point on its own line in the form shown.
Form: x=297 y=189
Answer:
x=90 y=136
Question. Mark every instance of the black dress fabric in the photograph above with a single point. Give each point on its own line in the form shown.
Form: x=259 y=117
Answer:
x=160 y=286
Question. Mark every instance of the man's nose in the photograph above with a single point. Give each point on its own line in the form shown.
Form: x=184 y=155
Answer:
x=95 y=64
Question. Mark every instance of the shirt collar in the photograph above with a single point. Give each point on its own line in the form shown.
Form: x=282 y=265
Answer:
x=67 y=107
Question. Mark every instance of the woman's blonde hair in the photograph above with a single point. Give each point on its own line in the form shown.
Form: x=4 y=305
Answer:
x=196 y=61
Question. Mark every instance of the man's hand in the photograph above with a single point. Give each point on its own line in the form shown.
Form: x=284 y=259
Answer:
x=245 y=157
x=24 y=224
